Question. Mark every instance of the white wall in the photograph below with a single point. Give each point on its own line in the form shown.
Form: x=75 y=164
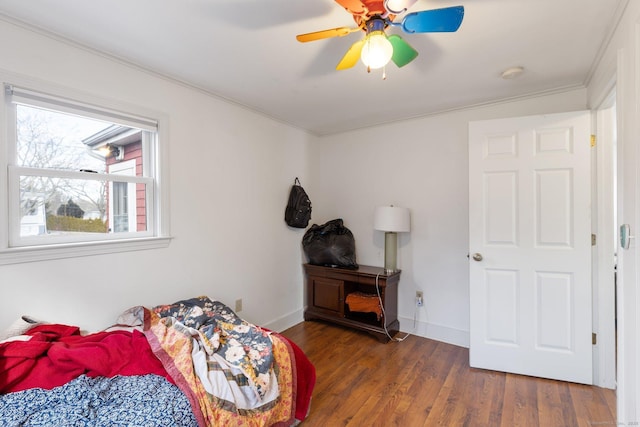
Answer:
x=619 y=65
x=421 y=164
x=230 y=174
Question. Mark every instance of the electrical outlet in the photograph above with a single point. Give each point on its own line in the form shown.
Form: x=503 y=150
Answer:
x=419 y=300
x=238 y=305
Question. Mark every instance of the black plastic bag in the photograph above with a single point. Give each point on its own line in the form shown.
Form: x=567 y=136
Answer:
x=330 y=244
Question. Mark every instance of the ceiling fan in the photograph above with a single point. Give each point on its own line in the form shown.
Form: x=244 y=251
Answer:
x=373 y=17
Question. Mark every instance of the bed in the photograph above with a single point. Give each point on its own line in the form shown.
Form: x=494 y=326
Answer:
x=190 y=363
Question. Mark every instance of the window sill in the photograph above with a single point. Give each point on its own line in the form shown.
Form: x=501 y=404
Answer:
x=73 y=250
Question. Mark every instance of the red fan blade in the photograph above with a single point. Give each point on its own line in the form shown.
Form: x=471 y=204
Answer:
x=355 y=7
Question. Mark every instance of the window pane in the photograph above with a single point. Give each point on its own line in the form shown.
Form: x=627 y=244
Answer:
x=120 y=207
x=47 y=139
x=63 y=206
x=33 y=220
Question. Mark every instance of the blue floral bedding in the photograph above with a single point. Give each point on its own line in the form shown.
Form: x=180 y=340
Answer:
x=133 y=401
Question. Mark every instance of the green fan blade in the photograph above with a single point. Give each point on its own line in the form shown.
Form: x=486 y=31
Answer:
x=403 y=53
x=351 y=57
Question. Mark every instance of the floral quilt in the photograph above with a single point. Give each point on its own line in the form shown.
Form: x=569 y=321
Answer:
x=232 y=372
x=238 y=342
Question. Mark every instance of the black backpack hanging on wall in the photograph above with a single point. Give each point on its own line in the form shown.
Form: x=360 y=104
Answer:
x=298 y=211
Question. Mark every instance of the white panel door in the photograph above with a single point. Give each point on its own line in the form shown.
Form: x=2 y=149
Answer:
x=530 y=246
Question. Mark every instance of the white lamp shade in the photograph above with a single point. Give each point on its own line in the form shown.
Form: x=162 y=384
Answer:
x=392 y=218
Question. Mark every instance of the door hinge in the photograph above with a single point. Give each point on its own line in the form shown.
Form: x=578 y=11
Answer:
x=594 y=338
x=593 y=240
x=593 y=140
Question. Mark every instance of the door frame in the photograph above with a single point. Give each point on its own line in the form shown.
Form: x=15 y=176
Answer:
x=604 y=252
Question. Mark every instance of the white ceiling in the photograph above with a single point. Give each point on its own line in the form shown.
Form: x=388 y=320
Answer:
x=246 y=51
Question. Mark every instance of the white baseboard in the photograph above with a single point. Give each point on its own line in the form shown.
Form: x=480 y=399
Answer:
x=285 y=322
x=435 y=332
x=422 y=329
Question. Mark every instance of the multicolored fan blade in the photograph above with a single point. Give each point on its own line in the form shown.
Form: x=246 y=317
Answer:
x=351 y=57
x=398 y=6
x=325 y=34
x=445 y=20
x=403 y=53
x=355 y=7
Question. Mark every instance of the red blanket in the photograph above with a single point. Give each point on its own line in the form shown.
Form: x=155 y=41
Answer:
x=56 y=354
x=305 y=378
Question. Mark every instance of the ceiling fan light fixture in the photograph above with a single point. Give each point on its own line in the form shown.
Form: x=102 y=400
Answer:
x=377 y=50
x=374 y=17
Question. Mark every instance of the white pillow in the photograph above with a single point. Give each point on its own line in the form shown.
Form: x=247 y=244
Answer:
x=19 y=327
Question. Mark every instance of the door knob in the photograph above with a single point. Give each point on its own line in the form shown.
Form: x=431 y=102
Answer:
x=477 y=257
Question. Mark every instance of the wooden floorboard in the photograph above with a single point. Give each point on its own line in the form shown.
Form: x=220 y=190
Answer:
x=421 y=382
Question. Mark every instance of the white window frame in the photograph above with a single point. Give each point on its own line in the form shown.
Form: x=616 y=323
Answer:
x=155 y=177
x=124 y=168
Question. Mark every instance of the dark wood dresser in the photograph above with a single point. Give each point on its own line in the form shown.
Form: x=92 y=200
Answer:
x=329 y=287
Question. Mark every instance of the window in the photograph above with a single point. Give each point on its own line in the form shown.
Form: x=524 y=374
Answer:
x=79 y=176
x=123 y=202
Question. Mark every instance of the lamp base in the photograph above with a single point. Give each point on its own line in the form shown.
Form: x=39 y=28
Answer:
x=390 y=252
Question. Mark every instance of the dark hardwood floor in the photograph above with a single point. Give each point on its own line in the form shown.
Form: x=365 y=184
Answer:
x=421 y=382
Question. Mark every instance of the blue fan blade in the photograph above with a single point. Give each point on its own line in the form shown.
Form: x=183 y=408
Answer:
x=444 y=20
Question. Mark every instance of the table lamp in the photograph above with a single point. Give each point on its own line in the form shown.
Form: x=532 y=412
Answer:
x=392 y=220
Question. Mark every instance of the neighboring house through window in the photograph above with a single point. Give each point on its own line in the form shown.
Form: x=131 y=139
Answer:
x=79 y=173
x=126 y=201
